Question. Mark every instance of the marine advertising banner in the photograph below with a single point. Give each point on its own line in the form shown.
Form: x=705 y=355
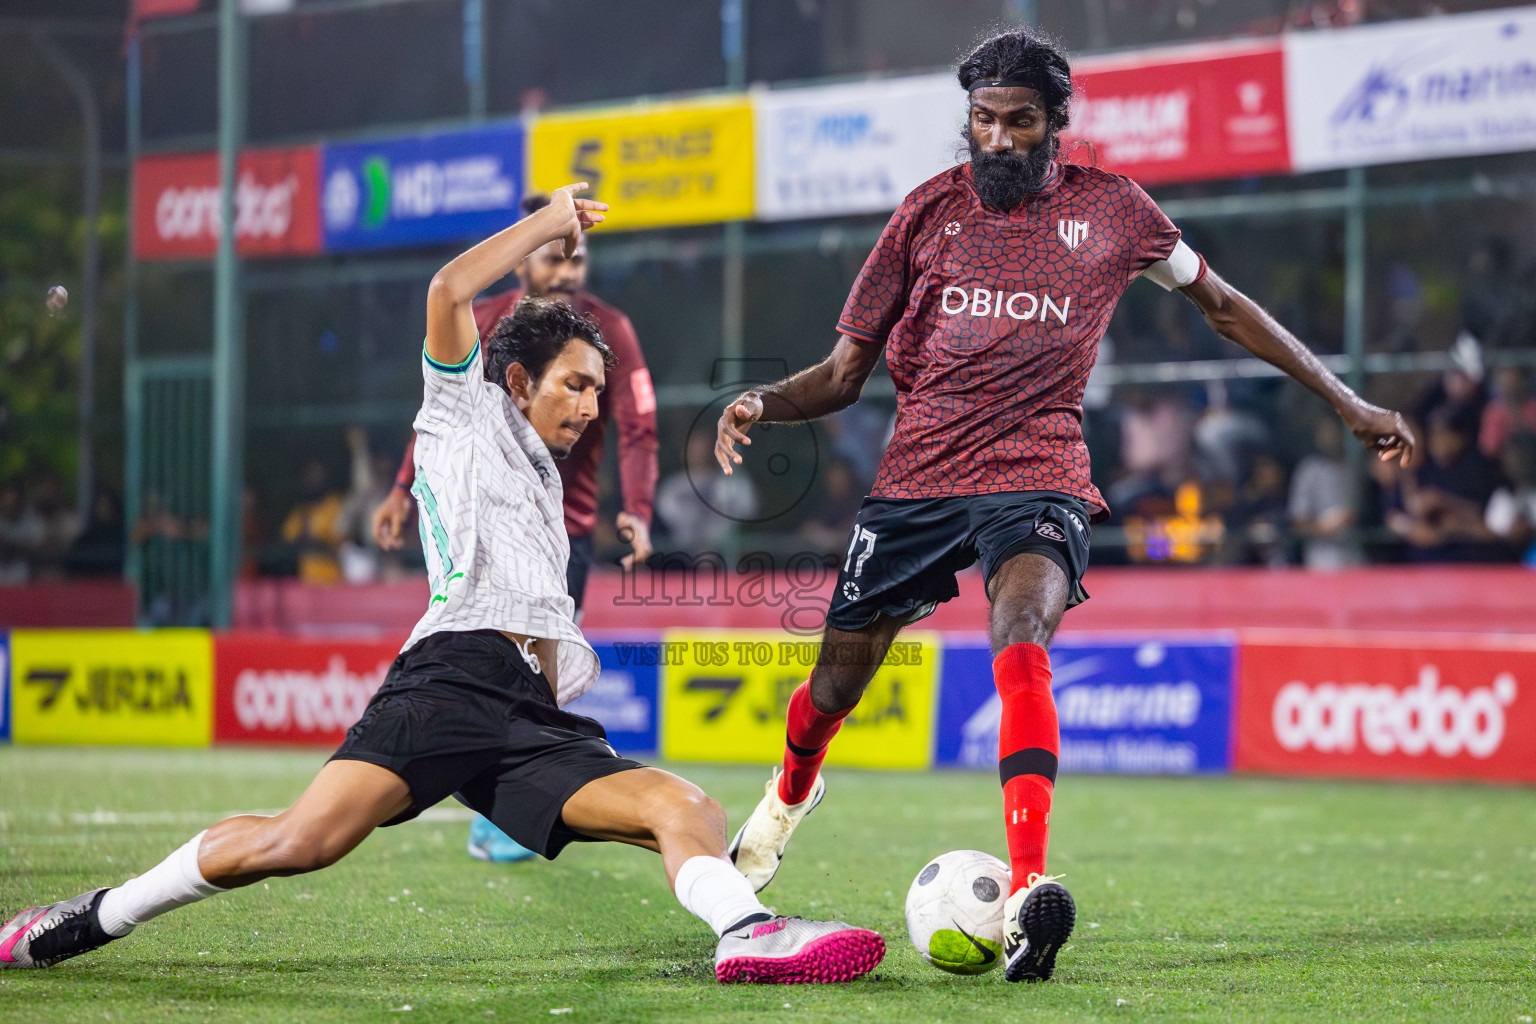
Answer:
x=1186 y=114
x=624 y=698
x=277 y=204
x=5 y=688
x=422 y=189
x=656 y=164
x=1413 y=90
x=152 y=688
x=725 y=694
x=1387 y=705
x=1127 y=706
x=843 y=149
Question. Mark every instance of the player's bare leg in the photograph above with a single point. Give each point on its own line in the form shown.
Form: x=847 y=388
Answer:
x=658 y=811
x=346 y=801
x=1029 y=594
x=844 y=666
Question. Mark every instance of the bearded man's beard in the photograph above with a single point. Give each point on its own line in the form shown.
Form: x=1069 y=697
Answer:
x=1004 y=179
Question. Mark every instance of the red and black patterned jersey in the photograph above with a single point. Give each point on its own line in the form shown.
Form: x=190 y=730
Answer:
x=991 y=324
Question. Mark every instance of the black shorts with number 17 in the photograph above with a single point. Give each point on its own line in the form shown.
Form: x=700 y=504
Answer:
x=903 y=554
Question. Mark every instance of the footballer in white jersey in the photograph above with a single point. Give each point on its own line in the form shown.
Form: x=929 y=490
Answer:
x=472 y=706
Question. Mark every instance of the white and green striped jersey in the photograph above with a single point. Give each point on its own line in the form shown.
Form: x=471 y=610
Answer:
x=492 y=528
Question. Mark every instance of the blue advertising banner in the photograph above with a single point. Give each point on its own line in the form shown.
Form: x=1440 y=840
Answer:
x=5 y=688
x=422 y=190
x=623 y=699
x=1126 y=706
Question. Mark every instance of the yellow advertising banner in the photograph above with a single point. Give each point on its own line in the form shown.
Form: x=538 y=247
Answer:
x=153 y=688
x=725 y=693
x=656 y=165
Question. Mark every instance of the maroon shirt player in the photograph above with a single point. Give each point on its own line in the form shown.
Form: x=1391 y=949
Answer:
x=989 y=291
x=629 y=400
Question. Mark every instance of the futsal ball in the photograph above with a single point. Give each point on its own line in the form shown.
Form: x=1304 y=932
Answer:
x=955 y=911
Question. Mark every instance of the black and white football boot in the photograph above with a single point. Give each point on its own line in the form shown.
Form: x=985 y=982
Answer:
x=44 y=936
x=1037 y=922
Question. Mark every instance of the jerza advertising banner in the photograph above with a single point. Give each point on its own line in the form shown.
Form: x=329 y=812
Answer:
x=1413 y=90
x=1128 y=707
x=1387 y=705
x=112 y=686
x=726 y=693
x=657 y=165
x=422 y=190
x=1182 y=115
x=843 y=149
x=282 y=690
x=176 y=204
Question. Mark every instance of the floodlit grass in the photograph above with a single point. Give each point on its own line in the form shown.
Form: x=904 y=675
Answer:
x=1212 y=899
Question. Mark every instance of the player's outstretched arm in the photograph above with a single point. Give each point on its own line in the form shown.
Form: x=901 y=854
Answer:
x=451 y=333
x=833 y=384
x=1238 y=318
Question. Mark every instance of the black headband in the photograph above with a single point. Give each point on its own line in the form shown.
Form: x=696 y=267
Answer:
x=1028 y=82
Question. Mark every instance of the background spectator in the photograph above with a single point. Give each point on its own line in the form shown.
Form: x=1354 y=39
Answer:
x=1444 y=506
x=315 y=526
x=1320 y=507
x=698 y=504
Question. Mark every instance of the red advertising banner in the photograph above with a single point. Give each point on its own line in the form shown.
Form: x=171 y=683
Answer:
x=1184 y=115
x=277 y=204
x=163 y=8
x=1384 y=705
x=270 y=689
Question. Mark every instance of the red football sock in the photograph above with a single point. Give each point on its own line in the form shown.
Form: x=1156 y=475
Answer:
x=1028 y=744
x=805 y=744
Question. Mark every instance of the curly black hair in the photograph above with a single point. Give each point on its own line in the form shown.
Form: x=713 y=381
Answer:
x=1030 y=57
x=534 y=333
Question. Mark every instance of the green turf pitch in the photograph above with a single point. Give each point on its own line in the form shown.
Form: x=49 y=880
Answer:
x=1214 y=899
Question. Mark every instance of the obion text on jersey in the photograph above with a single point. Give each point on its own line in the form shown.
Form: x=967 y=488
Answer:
x=1016 y=305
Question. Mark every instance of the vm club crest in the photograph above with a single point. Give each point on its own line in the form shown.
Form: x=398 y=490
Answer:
x=1072 y=232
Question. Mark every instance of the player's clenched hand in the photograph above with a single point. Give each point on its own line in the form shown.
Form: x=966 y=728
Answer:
x=572 y=216
x=1385 y=432
x=389 y=520
x=735 y=421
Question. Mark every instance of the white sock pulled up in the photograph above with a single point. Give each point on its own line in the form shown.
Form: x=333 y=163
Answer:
x=174 y=882
x=712 y=890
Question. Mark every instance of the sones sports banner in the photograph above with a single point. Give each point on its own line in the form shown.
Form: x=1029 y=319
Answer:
x=152 y=688
x=1387 y=705
x=657 y=165
x=725 y=695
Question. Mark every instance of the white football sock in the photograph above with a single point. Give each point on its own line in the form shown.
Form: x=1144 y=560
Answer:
x=174 y=882
x=712 y=890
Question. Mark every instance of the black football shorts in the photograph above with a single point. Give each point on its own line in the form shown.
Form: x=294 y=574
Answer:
x=463 y=715
x=903 y=554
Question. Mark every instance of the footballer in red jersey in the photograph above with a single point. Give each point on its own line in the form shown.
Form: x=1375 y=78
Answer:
x=988 y=293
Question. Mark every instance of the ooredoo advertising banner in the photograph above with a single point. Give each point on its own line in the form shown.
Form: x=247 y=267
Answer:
x=424 y=189
x=844 y=149
x=656 y=164
x=1183 y=115
x=286 y=690
x=1413 y=90
x=112 y=686
x=726 y=692
x=1126 y=706
x=1387 y=705
x=277 y=205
